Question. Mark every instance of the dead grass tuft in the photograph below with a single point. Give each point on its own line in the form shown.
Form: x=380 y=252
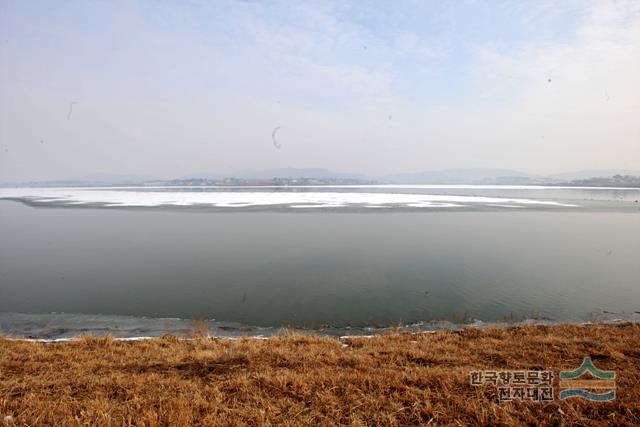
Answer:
x=199 y=329
x=97 y=341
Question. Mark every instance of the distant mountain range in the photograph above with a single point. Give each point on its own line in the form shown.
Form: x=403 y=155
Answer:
x=500 y=176
x=298 y=173
x=320 y=176
x=459 y=176
x=593 y=173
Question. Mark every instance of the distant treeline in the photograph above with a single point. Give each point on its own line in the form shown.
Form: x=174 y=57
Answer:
x=610 y=181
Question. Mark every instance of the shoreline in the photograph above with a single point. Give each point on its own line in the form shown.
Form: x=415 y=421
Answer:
x=64 y=327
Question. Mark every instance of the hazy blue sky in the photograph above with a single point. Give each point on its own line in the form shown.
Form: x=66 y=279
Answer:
x=170 y=88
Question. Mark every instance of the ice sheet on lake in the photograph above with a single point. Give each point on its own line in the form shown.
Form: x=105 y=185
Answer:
x=110 y=197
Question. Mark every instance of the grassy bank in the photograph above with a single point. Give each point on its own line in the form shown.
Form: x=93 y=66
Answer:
x=395 y=379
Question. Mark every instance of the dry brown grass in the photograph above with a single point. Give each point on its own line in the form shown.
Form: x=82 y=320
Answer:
x=396 y=379
x=199 y=329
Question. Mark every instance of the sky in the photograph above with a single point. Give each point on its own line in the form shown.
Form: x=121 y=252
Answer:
x=174 y=88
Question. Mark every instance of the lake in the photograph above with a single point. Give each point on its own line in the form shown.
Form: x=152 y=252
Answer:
x=354 y=256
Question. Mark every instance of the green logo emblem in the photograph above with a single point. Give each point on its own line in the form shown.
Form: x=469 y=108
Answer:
x=588 y=382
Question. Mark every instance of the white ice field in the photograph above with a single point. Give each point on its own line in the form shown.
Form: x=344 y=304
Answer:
x=256 y=197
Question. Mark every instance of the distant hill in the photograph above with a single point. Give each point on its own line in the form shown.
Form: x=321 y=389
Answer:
x=279 y=173
x=460 y=176
x=296 y=173
x=204 y=175
x=628 y=181
x=592 y=173
x=513 y=177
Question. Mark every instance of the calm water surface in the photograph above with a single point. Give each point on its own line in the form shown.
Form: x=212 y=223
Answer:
x=351 y=267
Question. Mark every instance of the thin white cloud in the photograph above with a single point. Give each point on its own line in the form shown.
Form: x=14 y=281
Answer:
x=175 y=88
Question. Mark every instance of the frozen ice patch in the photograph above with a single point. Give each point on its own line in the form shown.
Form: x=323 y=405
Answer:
x=123 y=197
